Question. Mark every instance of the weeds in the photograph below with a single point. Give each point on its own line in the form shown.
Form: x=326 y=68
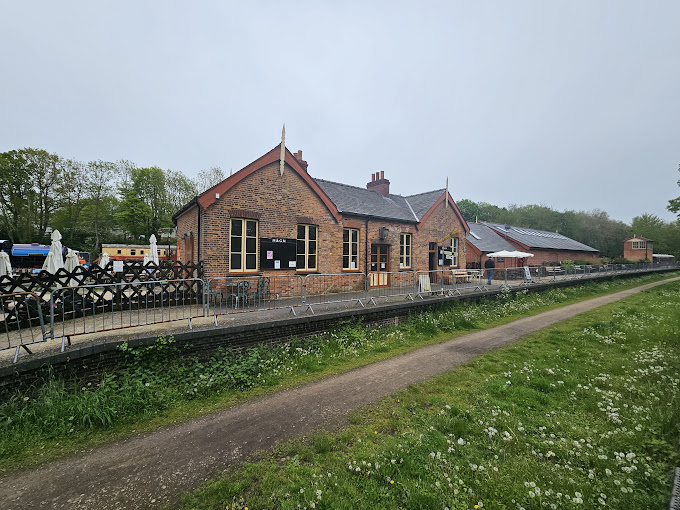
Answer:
x=163 y=377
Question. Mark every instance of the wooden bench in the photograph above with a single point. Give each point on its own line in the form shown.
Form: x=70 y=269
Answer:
x=461 y=276
x=553 y=270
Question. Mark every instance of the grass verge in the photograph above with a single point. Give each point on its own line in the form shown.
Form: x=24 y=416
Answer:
x=584 y=414
x=162 y=385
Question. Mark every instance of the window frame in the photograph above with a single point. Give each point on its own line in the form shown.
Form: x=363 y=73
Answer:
x=307 y=253
x=639 y=245
x=349 y=243
x=243 y=253
x=454 y=251
x=405 y=260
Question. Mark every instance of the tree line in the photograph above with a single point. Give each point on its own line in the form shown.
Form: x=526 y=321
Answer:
x=90 y=203
x=101 y=201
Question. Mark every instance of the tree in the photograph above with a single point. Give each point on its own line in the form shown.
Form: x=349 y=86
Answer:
x=162 y=193
x=47 y=172
x=469 y=210
x=133 y=214
x=29 y=180
x=15 y=193
x=72 y=197
x=206 y=179
x=180 y=190
x=100 y=190
x=674 y=204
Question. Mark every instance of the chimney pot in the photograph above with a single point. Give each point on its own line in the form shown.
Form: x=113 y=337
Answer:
x=379 y=183
x=303 y=163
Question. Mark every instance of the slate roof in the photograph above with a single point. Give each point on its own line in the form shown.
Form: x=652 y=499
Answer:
x=540 y=238
x=486 y=240
x=364 y=202
x=422 y=202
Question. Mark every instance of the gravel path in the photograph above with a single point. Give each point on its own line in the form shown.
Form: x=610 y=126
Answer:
x=155 y=468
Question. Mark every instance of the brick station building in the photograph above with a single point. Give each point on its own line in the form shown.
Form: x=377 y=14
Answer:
x=264 y=221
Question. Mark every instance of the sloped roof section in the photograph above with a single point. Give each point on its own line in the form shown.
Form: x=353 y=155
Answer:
x=486 y=240
x=422 y=202
x=364 y=202
x=540 y=238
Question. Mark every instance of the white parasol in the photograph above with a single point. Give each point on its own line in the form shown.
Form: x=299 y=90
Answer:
x=70 y=265
x=510 y=254
x=103 y=260
x=153 y=248
x=55 y=258
x=147 y=259
x=5 y=264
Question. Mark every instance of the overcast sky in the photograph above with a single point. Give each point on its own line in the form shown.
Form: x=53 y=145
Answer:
x=572 y=105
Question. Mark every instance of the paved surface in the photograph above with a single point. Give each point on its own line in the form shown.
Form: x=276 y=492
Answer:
x=155 y=468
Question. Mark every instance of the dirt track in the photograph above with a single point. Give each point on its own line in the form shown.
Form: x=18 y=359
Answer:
x=153 y=469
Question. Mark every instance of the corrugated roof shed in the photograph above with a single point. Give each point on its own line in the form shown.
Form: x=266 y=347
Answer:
x=486 y=240
x=540 y=238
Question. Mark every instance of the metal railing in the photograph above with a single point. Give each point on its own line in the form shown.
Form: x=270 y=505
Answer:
x=321 y=289
x=384 y=284
x=101 y=307
x=21 y=313
x=104 y=307
x=231 y=294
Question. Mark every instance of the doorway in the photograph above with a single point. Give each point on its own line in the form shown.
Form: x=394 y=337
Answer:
x=380 y=265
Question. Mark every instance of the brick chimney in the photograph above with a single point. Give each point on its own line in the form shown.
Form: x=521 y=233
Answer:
x=303 y=163
x=379 y=183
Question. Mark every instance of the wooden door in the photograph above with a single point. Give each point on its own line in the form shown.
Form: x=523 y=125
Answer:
x=380 y=265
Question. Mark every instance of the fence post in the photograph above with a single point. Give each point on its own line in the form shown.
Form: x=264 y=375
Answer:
x=51 y=316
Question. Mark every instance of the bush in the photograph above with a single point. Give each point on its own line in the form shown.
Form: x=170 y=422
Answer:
x=621 y=260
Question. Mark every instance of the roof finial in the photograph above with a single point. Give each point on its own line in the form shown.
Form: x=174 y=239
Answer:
x=282 y=158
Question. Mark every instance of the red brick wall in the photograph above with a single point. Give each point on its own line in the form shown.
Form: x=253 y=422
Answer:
x=279 y=201
x=440 y=223
x=186 y=223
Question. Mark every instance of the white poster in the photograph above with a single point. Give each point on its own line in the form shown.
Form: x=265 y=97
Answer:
x=117 y=266
x=277 y=264
x=291 y=263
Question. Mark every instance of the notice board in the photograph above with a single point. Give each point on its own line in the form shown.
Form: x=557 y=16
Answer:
x=277 y=253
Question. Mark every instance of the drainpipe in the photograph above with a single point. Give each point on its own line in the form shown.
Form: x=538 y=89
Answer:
x=198 y=237
x=366 y=249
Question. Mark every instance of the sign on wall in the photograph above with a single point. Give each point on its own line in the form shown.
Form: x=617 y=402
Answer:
x=277 y=253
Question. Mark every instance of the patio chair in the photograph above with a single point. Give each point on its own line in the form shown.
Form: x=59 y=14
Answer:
x=216 y=292
x=239 y=292
x=261 y=294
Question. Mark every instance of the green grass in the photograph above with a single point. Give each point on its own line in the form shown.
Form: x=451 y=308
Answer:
x=584 y=414
x=162 y=385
